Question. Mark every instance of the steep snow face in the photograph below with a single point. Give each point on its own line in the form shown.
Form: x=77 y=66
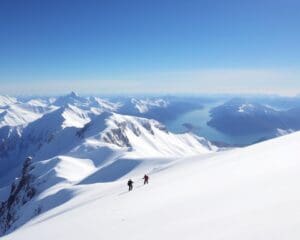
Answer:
x=41 y=102
x=74 y=117
x=71 y=148
x=248 y=193
x=5 y=101
x=29 y=128
x=104 y=104
x=144 y=137
x=72 y=98
x=19 y=142
x=22 y=113
x=86 y=103
x=144 y=106
x=14 y=112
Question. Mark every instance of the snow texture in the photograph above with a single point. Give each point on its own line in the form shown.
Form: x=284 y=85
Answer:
x=247 y=193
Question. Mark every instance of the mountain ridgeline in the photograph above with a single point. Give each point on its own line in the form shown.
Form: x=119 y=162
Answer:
x=65 y=143
x=240 y=117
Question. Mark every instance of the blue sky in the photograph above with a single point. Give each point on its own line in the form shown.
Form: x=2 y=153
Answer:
x=159 y=46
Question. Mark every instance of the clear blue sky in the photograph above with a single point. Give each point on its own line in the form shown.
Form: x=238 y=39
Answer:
x=110 y=46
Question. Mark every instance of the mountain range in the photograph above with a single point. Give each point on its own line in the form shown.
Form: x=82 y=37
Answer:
x=240 y=117
x=76 y=141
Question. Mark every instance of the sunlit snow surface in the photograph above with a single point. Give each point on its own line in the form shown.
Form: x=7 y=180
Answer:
x=248 y=193
x=79 y=142
x=85 y=149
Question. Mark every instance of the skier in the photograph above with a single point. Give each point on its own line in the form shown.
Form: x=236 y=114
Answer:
x=130 y=184
x=146 y=179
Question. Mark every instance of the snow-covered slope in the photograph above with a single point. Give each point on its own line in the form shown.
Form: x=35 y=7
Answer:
x=248 y=193
x=17 y=142
x=22 y=113
x=144 y=105
x=144 y=137
x=86 y=103
x=6 y=100
x=72 y=147
x=26 y=127
x=14 y=112
x=72 y=98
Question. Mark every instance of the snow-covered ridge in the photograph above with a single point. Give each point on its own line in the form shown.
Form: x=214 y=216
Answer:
x=6 y=100
x=248 y=193
x=83 y=152
x=86 y=103
x=238 y=117
x=76 y=144
x=18 y=113
x=143 y=105
x=144 y=137
x=27 y=126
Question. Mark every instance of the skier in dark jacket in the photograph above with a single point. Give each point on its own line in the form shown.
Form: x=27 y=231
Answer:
x=146 y=179
x=130 y=184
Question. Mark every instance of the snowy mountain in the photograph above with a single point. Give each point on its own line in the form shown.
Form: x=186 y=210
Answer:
x=6 y=100
x=14 y=112
x=79 y=144
x=240 y=117
x=72 y=98
x=18 y=142
x=84 y=149
x=87 y=103
x=246 y=193
x=144 y=106
x=163 y=109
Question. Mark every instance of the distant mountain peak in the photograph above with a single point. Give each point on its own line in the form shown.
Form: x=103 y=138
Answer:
x=71 y=98
x=73 y=94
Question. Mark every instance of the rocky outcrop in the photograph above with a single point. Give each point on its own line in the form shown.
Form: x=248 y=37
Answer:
x=22 y=191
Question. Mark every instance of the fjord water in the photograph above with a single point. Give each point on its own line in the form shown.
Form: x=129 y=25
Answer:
x=197 y=119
